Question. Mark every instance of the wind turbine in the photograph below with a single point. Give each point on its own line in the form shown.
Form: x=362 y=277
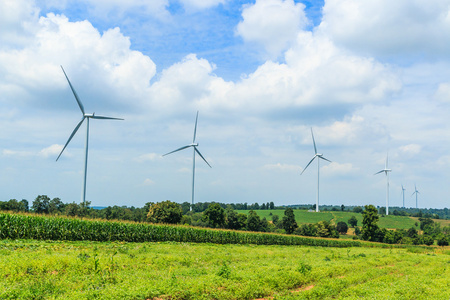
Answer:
x=85 y=117
x=195 y=150
x=415 y=192
x=318 y=156
x=386 y=171
x=403 y=194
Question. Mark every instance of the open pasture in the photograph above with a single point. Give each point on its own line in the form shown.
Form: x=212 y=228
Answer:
x=303 y=216
x=117 y=270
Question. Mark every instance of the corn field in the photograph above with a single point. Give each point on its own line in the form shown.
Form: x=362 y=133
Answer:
x=17 y=226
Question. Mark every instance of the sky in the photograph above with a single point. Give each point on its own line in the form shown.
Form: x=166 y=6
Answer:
x=371 y=78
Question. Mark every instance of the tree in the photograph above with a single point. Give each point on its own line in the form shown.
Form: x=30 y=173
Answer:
x=353 y=221
x=234 y=220
x=357 y=209
x=342 y=207
x=412 y=233
x=253 y=221
x=55 y=206
x=342 y=227
x=370 y=219
x=272 y=205
x=214 y=215
x=40 y=204
x=288 y=222
x=165 y=212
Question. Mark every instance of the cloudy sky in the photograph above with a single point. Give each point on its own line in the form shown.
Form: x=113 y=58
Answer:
x=370 y=77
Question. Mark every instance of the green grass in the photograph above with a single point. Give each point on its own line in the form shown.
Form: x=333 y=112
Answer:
x=306 y=217
x=117 y=270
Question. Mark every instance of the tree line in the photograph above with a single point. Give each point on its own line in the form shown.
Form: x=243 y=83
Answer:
x=220 y=215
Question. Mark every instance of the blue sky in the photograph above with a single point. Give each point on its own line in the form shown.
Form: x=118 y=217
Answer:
x=369 y=77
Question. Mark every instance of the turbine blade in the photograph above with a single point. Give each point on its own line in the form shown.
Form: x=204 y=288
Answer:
x=325 y=158
x=195 y=128
x=74 y=93
x=198 y=152
x=314 y=142
x=71 y=136
x=179 y=149
x=379 y=172
x=308 y=164
x=105 y=118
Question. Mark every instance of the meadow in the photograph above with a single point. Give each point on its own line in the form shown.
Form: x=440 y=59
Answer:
x=118 y=270
x=305 y=217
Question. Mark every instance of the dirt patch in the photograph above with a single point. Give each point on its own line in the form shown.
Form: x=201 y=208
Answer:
x=303 y=288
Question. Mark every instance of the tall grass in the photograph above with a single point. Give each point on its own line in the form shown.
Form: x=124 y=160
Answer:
x=18 y=226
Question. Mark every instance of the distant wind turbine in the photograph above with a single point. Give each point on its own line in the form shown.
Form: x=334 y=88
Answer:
x=415 y=192
x=85 y=117
x=386 y=171
x=318 y=156
x=403 y=194
x=194 y=146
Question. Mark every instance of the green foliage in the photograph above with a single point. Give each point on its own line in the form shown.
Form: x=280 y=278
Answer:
x=117 y=270
x=353 y=221
x=214 y=215
x=370 y=219
x=40 y=204
x=288 y=222
x=443 y=241
x=165 y=212
x=342 y=227
x=13 y=226
x=253 y=221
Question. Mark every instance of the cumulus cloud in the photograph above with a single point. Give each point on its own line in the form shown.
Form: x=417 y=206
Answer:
x=272 y=24
x=410 y=150
x=90 y=59
x=386 y=28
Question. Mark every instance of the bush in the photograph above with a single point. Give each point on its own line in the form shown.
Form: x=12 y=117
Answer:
x=342 y=227
x=165 y=212
x=442 y=241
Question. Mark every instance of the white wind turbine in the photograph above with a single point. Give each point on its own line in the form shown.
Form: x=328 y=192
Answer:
x=195 y=150
x=386 y=171
x=403 y=194
x=415 y=192
x=85 y=117
x=318 y=156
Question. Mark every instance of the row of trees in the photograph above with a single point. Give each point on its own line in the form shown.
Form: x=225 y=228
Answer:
x=431 y=231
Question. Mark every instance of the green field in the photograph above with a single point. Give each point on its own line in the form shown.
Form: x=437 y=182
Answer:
x=306 y=217
x=113 y=270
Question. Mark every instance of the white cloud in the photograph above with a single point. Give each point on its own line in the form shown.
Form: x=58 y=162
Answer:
x=283 y=167
x=14 y=153
x=337 y=169
x=51 y=151
x=16 y=22
x=91 y=60
x=201 y=4
x=272 y=24
x=148 y=157
x=148 y=182
x=389 y=28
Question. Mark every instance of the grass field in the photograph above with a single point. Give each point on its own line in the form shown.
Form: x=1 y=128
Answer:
x=112 y=270
x=303 y=216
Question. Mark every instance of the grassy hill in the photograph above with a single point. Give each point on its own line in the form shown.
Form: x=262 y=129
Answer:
x=307 y=217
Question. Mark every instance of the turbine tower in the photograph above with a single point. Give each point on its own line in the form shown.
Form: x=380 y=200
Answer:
x=318 y=156
x=85 y=117
x=415 y=192
x=386 y=171
x=195 y=150
x=403 y=194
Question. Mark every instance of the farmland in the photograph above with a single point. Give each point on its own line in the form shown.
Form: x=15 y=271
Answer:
x=303 y=216
x=117 y=270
